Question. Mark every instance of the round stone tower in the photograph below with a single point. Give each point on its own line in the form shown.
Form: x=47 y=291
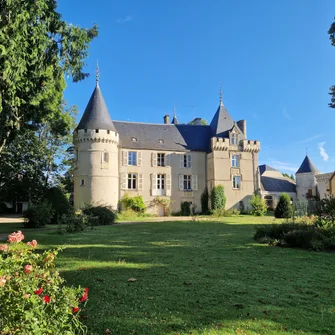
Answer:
x=96 y=170
x=306 y=180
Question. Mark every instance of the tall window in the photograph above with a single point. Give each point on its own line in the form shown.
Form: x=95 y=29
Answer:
x=160 y=181
x=234 y=161
x=160 y=159
x=132 y=157
x=237 y=182
x=105 y=157
x=186 y=161
x=132 y=181
x=234 y=139
x=187 y=182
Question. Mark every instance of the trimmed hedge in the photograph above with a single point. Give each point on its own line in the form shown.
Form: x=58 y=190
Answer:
x=218 y=198
x=104 y=214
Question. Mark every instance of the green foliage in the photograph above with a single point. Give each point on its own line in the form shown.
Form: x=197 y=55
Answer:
x=59 y=203
x=185 y=208
x=258 y=205
x=33 y=297
x=284 y=208
x=199 y=121
x=297 y=235
x=76 y=222
x=331 y=33
x=288 y=176
x=37 y=50
x=326 y=212
x=166 y=202
x=38 y=215
x=218 y=198
x=105 y=215
x=204 y=201
x=135 y=203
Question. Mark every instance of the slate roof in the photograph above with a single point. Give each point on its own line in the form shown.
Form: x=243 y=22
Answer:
x=271 y=184
x=263 y=168
x=181 y=137
x=96 y=115
x=175 y=120
x=307 y=166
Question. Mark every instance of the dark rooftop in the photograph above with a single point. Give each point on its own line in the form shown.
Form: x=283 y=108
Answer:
x=307 y=166
x=272 y=184
x=264 y=167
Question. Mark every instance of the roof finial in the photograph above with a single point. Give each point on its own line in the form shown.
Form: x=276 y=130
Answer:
x=221 y=103
x=174 y=108
x=97 y=74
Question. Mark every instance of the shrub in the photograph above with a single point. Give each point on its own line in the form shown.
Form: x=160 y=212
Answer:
x=33 y=297
x=218 y=198
x=76 y=222
x=284 y=208
x=326 y=212
x=135 y=203
x=37 y=216
x=258 y=205
x=204 y=201
x=59 y=203
x=104 y=214
x=185 y=208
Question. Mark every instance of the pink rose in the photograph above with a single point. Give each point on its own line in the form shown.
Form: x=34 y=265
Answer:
x=27 y=269
x=2 y=281
x=26 y=296
x=3 y=247
x=33 y=244
x=15 y=237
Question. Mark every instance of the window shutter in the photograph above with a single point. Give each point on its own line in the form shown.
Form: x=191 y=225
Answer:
x=181 y=182
x=189 y=161
x=124 y=181
x=167 y=159
x=181 y=161
x=140 y=181
x=139 y=158
x=125 y=157
x=154 y=181
x=154 y=159
x=195 y=182
x=168 y=184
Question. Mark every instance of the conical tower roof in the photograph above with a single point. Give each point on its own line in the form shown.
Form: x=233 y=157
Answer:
x=307 y=166
x=96 y=115
x=222 y=122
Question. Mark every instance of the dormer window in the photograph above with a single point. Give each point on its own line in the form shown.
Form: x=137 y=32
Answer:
x=108 y=132
x=234 y=139
x=96 y=130
x=160 y=141
x=134 y=139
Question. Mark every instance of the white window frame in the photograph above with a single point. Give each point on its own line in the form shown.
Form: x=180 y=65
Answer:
x=234 y=139
x=105 y=157
x=236 y=185
x=132 y=158
x=235 y=161
x=132 y=178
x=187 y=181
x=186 y=161
x=161 y=159
x=160 y=180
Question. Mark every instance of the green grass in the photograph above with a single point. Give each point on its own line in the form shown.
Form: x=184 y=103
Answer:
x=202 y=278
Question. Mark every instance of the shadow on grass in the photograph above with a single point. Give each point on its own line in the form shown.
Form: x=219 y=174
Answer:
x=196 y=278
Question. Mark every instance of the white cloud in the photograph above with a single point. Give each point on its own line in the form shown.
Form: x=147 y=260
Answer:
x=283 y=166
x=128 y=18
x=286 y=114
x=322 y=151
x=311 y=139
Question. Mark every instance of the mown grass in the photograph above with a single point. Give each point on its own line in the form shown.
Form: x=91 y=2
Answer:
x=201 y=278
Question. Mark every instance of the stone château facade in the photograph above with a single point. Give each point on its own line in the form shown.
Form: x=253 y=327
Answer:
x=179 y=161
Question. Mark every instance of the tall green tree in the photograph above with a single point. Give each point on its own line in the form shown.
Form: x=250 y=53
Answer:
x=331 y=33
x=37 y=50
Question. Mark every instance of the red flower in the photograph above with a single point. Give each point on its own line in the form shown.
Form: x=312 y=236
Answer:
x=86 y=290
x=46 y=299
x=39 y=291
x=84 y=297
x=75 y=309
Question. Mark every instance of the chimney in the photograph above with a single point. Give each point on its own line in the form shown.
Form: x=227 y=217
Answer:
x=242 y=124
x=166 y=119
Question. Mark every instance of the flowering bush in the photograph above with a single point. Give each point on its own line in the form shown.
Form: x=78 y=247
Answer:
x=33 y=299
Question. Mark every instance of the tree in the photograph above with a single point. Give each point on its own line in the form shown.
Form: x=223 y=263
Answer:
x=204 y=201
x=199 y=121
x=218 y=198
x=331 y=33
x=284 y=208
x=288 y=176
x=258 y=205
x=37 y=50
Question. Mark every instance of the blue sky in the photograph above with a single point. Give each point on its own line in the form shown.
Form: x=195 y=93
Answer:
x=274 y=60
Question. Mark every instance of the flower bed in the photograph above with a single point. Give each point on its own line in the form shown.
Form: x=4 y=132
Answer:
x=33 y=297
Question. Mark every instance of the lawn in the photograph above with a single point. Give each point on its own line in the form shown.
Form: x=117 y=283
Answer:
x=200 y=278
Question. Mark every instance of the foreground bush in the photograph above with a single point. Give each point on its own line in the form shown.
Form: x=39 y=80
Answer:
x=104 y=214
x=134 y=203
x=258 y=205
x=299 y=235
x=37 y=216
x=76 y=222
x=59 y=203
x=284 y=208
x=33 y=297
